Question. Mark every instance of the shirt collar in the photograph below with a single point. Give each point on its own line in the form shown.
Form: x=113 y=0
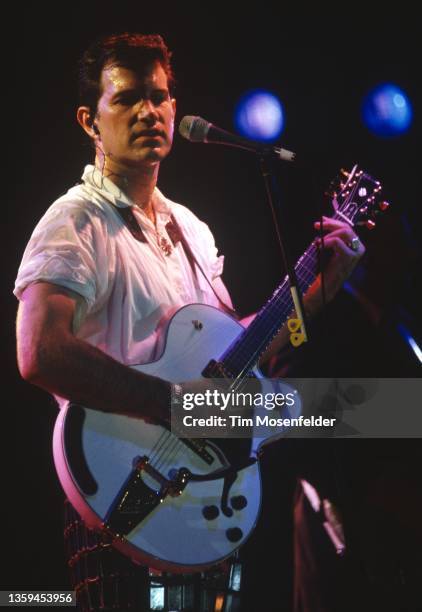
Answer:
x=108 y=190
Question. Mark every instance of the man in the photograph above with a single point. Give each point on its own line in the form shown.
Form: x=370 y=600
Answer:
x=101 y=270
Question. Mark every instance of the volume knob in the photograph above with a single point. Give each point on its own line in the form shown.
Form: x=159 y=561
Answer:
x=234 y=534
x=210 y=512
x=239 y=502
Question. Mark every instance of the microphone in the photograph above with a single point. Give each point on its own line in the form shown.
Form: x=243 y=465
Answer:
x=197 y=129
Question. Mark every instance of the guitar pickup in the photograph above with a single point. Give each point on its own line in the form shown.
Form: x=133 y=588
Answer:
x=198 y=447
x=216 y=369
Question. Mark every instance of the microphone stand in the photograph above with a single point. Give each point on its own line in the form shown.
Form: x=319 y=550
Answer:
x=266 y=158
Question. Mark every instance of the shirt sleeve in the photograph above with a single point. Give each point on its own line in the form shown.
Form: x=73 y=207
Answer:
x=68 y=248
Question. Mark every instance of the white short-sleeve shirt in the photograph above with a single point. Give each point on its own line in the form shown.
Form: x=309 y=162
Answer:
x=81 y=243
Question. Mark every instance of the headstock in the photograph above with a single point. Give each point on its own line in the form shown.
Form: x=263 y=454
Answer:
x=356 y=197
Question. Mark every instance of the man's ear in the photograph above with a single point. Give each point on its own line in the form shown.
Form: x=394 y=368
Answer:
x=86 y=120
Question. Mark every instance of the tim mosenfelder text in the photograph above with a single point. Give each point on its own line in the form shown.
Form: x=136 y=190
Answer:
x=266 y=420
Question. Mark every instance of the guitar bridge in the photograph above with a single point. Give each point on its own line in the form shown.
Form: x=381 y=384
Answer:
x=136 y=500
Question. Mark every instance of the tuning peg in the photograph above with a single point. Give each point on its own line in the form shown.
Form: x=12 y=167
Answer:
x=345 y=173
x=384 y=205
x=370 y=224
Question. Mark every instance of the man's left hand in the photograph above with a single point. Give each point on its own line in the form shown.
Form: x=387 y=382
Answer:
x=347 y=249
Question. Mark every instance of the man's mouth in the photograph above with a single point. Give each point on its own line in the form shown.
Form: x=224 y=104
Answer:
x=149 y=134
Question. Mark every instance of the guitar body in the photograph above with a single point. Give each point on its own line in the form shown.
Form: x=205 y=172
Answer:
x=94 y=453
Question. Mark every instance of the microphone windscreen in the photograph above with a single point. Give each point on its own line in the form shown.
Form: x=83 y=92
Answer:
x=194 y=129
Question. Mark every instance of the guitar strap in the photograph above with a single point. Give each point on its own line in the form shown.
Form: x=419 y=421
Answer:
x=173 y=226
x=128 y=218
x=176 y=235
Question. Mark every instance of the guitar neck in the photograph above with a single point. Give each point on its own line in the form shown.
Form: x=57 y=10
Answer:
x=245 y=352
x=355 y=200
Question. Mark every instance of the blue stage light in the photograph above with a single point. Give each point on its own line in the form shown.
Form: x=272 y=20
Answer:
x=259 y=116
x=387 y=110
x=410 y=341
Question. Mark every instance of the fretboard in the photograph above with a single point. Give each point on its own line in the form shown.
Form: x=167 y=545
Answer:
x=245 y=352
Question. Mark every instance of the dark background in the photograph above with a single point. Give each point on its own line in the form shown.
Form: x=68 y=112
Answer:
x=321 y=66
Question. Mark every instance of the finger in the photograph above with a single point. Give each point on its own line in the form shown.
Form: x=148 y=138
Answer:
x=338 y=245
x=345 y=233
x=328 y=224
x=348 y=236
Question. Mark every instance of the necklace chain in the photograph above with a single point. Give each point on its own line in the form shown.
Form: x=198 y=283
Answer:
x=162 y=241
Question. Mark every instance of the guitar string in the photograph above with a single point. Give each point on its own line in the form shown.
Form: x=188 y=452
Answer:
x=170 y=459
x=165 y=447
x=240 y=350
x=163 y=459
x=159 y=443
x=156 y=454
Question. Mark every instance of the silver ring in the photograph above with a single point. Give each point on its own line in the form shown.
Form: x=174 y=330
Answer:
x=354 y=244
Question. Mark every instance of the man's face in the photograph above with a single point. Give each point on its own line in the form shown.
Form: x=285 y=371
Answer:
x=135 y=115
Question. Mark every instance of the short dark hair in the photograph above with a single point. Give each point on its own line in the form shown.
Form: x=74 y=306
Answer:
x=129 y=50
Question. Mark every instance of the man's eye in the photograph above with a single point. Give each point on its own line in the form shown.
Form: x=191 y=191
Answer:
x=159 y=97
x=126 y=100
x=130 y=99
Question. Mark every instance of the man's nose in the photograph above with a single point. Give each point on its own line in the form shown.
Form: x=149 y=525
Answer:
x=146 y=110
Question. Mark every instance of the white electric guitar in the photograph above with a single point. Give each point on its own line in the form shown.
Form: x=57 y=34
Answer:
x=176 y=504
